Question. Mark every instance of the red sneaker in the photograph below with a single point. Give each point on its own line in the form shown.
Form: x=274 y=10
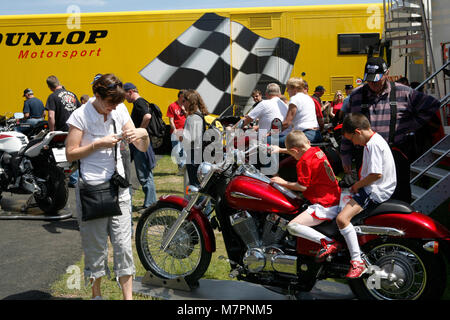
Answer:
x=357 y=269
x=327 y=249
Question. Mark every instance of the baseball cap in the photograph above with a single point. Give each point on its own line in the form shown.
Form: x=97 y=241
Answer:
x=128 y=86
x=97 y=76
x=348 y=86
x=27 y=91
x=319 y=89
x=375 y=68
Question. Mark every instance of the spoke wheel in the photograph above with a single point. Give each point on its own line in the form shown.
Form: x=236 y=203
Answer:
x=185 y=256
x=403 y=271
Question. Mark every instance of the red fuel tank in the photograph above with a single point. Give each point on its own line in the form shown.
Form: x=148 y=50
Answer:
x=250 y=194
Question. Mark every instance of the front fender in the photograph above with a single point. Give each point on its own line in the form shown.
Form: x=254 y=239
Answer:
x=197 y=216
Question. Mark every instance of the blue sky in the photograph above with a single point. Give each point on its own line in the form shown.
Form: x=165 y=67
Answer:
x=12 y=7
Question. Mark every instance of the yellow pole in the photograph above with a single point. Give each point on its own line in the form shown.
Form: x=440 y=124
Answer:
x=231 y=67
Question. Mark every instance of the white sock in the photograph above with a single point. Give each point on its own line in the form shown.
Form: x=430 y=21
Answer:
x=351 y=239
x=299 y=230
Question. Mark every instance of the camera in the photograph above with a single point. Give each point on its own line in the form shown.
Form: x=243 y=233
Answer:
x=119 y=181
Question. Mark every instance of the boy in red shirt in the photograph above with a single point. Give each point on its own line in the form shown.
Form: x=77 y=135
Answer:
x=317 y=182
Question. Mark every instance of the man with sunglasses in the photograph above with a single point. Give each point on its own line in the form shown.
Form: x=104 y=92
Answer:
x=396 y=112
x=60 y=105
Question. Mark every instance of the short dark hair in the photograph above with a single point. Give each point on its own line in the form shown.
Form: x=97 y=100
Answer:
x=109 y=88
x=353 y=121
x=256 y=91
x=53 y=82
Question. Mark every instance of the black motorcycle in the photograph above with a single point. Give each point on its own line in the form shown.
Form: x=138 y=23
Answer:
x=38 y=167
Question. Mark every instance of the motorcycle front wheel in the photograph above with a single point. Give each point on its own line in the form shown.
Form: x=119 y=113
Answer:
x=408 y=272
x=185 y=256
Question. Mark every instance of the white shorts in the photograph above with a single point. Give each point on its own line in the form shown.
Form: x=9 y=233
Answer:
x=321 y=213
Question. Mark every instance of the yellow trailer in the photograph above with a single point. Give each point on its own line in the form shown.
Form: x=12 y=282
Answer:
x=224 y=53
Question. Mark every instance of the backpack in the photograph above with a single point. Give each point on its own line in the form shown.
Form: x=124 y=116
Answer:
x=156 y=127
x=204 y=128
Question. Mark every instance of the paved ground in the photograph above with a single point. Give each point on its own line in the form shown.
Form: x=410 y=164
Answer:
x=33 y=254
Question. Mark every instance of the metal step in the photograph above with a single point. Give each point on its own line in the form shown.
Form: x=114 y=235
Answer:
x=417 y=192
x=415 y=10
x=418 y=36
x=405 y=29
x=431 y=155
x=417 y=2
x=436 y=173
x=429 y=200
x=440 y=152
x=406 y=3
x=414 y=54
x=410 y=45
x=405 y=19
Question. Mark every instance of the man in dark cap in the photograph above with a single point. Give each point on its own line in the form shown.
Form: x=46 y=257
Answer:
x=144 y=162
x=33 y=110
x=396 y=112
x=318 y=93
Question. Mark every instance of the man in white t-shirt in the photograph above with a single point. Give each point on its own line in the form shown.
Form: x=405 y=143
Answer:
x=269 y=109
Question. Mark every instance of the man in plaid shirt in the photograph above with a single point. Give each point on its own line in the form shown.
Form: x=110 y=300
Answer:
x=414 y=109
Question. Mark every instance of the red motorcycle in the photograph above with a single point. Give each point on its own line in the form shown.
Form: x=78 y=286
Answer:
x=404 y=249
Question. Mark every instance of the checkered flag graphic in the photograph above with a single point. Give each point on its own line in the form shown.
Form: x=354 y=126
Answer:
x=200 y=59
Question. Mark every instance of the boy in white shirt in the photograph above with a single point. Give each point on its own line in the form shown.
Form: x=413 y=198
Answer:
x=377 y=183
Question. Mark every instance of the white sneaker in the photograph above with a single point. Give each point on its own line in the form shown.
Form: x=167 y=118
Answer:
x=97 y=298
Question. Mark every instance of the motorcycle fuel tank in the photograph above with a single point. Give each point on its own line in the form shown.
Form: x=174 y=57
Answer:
x=250 y=194
x=12 y=141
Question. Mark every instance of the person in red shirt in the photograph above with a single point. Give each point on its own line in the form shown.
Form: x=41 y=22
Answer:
x=177 y=116
x=336 y=105
x=319 y=113
x=317 y=182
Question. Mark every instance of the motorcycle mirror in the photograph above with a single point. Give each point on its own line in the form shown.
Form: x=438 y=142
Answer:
x=19 y=115
x=276 y=125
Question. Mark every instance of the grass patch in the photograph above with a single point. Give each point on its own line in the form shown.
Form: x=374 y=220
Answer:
x=167 y=182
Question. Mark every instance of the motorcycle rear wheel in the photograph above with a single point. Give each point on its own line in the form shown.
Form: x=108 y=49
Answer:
x=186 y=255
x=56 y=192
x=413 y=272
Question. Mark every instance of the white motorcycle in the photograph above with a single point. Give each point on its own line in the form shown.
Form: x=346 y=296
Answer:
x=38 y=167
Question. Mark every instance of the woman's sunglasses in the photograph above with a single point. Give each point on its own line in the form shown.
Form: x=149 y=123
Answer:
x=114 y=85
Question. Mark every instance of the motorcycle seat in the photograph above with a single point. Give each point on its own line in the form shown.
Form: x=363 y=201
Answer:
x=32 y=143
x=390 y=206
x=330 y=228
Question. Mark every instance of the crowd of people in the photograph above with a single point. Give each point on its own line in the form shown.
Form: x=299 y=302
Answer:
x=98 y=123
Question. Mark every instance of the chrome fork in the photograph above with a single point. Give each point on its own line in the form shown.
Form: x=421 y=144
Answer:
x=184 y=213
x=174 y=229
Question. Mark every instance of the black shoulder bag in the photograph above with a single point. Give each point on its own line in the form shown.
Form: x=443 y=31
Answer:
x=102 y=200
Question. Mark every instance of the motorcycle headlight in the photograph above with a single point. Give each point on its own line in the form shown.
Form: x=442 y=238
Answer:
x=203 y=170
